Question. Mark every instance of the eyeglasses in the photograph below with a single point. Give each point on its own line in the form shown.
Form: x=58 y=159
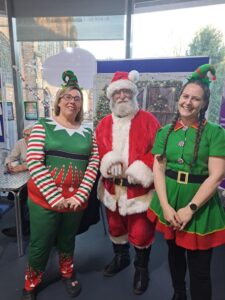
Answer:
x=26 y=134
x=124 y=91
x=68 y=98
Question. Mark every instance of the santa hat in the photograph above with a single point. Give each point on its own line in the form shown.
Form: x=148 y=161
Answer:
x=123 y=80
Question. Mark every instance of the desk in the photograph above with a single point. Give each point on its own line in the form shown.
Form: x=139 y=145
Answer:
x=14 y=183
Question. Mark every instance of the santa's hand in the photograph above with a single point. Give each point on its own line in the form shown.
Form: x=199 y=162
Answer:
x=115 y=170
x=131 y=179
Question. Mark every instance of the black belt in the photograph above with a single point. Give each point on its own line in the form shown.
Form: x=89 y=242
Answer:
x=121 y=181
x=185 y=177
x=67 y=155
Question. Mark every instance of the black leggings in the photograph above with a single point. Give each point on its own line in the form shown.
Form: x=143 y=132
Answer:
x=199 y=269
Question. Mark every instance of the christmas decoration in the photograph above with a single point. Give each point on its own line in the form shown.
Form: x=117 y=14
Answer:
x=102 y=107
x=160 y=105
x=31 y=91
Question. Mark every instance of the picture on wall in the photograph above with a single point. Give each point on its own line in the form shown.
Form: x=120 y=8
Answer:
x=160 y=98
x=10 y=114
x=31 y=110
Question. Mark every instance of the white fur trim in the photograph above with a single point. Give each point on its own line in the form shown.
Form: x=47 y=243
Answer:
x=109 y=159
x=120 y=138
x=134 y=76
x=126 y=206
x=141 y=173
x=105 y=197
x=119 y=240
x=135 y=205
x=121 y=84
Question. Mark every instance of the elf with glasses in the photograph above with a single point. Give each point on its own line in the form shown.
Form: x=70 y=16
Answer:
x=63 y=160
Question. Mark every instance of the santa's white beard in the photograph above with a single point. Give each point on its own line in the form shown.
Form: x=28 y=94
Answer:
x=124 y=109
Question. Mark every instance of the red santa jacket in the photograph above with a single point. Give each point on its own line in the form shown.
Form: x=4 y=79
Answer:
x=130 y=140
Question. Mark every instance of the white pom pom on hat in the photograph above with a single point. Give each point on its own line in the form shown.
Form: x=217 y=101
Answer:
x=133 y=76
x=123 y=80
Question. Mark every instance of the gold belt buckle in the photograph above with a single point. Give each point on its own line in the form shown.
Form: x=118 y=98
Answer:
x=179 y=180
x=119 y=181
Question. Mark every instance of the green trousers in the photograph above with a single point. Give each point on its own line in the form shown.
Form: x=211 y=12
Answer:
x=48 y=229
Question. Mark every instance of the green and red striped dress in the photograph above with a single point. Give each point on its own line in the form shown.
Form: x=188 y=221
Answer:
x=63 y=163
x=206 y=229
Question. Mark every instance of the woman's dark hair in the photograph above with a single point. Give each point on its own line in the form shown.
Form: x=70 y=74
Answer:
x=201 y=120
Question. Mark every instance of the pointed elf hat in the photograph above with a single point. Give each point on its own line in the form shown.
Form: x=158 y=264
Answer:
x=70 y=79
x=123 y=80
x=202 y=73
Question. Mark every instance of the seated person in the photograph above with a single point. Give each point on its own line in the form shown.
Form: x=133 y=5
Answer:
x=14 y=163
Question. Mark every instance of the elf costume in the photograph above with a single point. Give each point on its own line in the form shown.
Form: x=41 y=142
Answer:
x=206 y=229
x=184 y=152
x=63 y=163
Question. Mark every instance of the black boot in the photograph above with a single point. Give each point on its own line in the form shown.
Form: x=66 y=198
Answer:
x=72 y=286
x=179 y=295
x=120 y=261
x=28 y=295
x=141 y=276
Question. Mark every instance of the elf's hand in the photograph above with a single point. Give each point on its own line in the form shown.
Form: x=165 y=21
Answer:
x=185 y=214
x=73 y=203
x=61 y=204
x=172 y=217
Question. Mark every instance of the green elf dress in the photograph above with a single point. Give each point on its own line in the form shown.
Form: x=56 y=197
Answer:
x=206 y=229
x=63 y=163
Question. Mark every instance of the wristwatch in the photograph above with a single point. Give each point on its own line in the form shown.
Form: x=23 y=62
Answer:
x=193 y=207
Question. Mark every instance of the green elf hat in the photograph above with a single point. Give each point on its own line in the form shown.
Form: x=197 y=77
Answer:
x=70 y=79
x=202 y=73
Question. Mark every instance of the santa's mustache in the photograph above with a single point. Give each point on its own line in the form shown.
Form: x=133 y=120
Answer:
x=124 y=100
x=123 y=106
x=119 y=101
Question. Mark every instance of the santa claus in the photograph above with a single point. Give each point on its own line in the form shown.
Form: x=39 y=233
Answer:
x=125 y=139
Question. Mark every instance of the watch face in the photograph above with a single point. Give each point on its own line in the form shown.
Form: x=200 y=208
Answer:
x=193 y=206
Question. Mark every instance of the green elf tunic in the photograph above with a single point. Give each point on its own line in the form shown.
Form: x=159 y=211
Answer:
x=206 y=229
x=62 y=162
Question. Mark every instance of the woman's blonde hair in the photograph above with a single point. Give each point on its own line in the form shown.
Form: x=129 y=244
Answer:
x=61 y=92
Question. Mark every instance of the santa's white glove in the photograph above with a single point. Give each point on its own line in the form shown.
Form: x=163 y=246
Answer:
x=131 y=179
x=115 y=170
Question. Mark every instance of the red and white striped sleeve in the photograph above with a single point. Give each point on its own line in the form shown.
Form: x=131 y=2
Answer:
x=38 y=171
x=90 y=175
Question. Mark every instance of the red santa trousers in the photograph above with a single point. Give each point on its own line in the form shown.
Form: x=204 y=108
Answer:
x=139 y=229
